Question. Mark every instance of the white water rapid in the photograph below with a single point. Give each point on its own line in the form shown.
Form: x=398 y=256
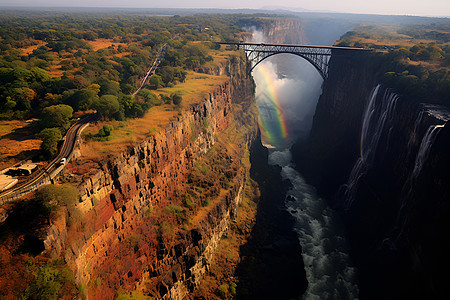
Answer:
x=321 y=235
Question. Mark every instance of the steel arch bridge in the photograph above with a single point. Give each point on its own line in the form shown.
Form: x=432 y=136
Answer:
x=318 y=56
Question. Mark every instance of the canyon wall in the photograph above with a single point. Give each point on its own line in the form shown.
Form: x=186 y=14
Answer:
x=276 y=30
x=382 y=160
x=284 y=31
x=144 y=225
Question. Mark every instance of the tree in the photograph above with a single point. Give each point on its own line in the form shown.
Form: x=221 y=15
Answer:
x=108 y=87
x=56 y=116
x=107 y=106
x=46 y=284
x=155 y=81
x=62 y=194
x=176 y=98
x=50 y=138
x=80 y=99
x=23 y=97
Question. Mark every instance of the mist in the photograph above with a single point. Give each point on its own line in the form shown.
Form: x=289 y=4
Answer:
x=297 y=87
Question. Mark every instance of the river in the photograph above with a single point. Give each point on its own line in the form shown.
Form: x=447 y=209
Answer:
x=287 y=90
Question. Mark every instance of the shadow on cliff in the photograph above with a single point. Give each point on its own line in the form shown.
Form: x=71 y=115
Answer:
x=271 y=265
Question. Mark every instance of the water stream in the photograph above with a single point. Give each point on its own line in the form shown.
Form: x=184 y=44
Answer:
x=287 y=91
x=320 y=232
x=321 y=235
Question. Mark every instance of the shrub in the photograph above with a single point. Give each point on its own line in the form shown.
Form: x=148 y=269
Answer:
x=205 y=123
x=176 y=211
x=206 y=202
x=176 y=99
x=64 y=194
x=105 y=130
x=222 y=291
x=188 y=202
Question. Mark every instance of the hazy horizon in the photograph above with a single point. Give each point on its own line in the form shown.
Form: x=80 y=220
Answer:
x=432 y=8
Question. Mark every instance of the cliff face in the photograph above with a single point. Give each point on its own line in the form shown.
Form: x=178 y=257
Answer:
x=151 y=216
x=381 y=158
x=284 y=31
x=277 y=30
x=342 y=102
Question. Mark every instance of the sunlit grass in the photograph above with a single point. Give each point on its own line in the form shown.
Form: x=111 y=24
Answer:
x=196 y=87
x=194 y=90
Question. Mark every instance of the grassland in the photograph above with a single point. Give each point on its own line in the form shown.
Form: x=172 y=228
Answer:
x=17 y=142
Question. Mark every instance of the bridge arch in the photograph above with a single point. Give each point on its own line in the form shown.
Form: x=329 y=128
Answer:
x=321 y=68
x=318 y=56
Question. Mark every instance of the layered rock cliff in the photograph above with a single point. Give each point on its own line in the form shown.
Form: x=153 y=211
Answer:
x=151 y=216
x=380 y=158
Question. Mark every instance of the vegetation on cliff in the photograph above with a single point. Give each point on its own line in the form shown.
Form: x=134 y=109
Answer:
x=416 y=59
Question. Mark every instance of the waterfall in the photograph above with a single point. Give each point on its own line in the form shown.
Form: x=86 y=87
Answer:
x=424 y=148
x=421 y=156
x=378 y=114
x=408 y=189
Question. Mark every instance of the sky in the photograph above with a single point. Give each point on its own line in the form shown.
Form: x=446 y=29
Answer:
x=391 y=7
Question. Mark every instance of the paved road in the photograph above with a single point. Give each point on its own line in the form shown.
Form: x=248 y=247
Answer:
x=152 y=69
x=45 y=176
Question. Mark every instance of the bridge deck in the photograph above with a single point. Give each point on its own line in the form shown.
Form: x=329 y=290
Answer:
x=299 y=46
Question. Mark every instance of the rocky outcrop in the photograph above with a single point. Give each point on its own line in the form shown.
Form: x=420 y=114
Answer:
x=123 y=240
x=380 y=158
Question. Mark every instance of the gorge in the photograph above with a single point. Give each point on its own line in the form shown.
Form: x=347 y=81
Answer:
x=270 y=185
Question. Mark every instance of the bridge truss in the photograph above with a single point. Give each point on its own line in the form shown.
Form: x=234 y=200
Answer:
x=318 y=56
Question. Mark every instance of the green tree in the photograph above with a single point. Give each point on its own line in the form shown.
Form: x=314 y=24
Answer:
x=155 y=81
x=176 y=98
x=50 y=138
x=82 y=99
x=107 y=106
x=46 y=284
x=56 y=116
x=23 y=97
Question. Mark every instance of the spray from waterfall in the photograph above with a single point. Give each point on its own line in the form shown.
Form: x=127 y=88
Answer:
x=287 y=90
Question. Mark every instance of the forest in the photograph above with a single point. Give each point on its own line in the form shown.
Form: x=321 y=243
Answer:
x=54 y=64
x=416 y=57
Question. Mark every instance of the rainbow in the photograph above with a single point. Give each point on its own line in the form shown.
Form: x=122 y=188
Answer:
x=271 y=94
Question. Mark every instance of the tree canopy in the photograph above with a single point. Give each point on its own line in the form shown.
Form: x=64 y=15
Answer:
x=50 y=138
